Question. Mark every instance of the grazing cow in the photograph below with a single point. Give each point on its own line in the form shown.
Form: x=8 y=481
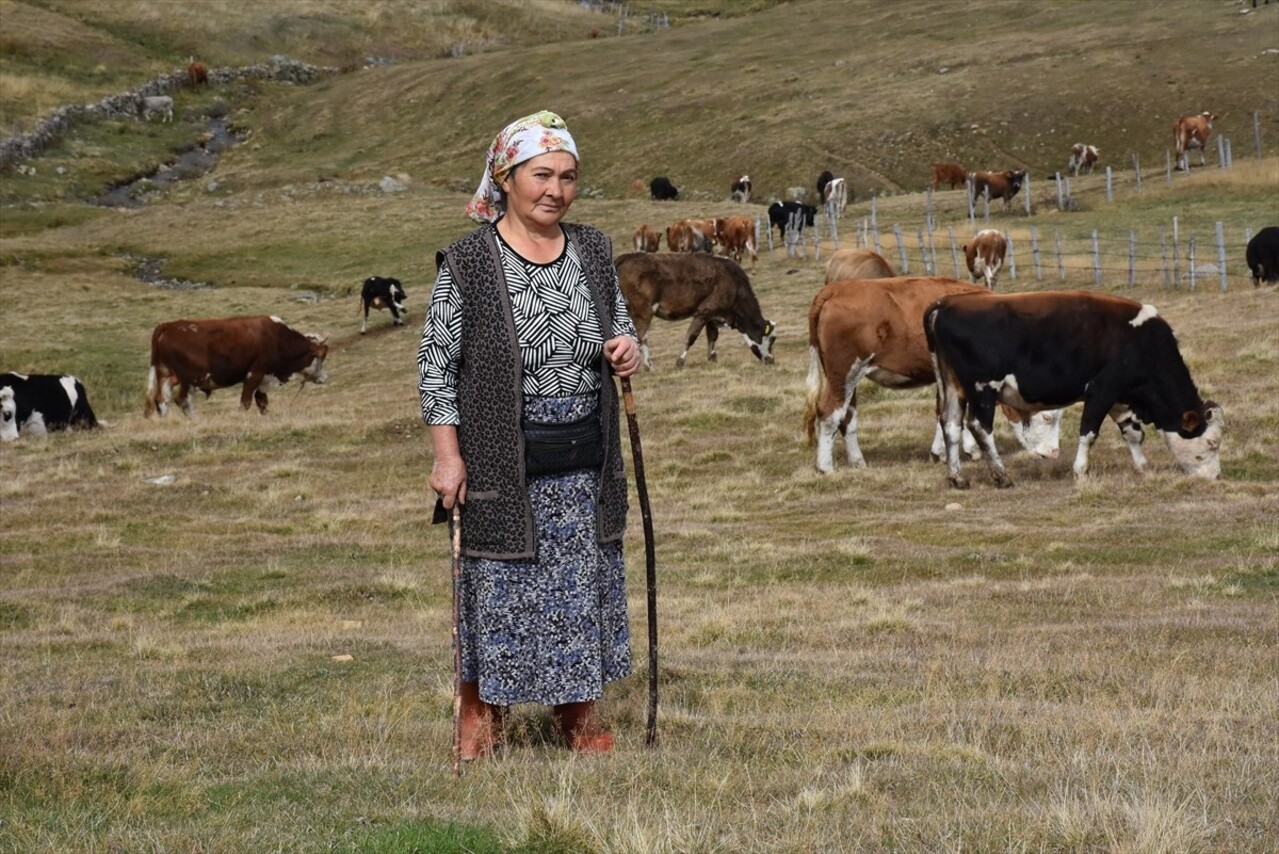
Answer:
x=1192 y=132
x=949 y=173
x=712 y=290
x=847 y=264
x=1000 y=185
x=36 y=403
x=1050 y=349
x=985 y=256
x=822 y=180
x=197 y=74
x=785 y=214
x=736 y=234
x=691 y=235
x=1082 y=157
x=741 y=189
x=379 y=292
x=835 y=196
x=1262 y=255
x=873 y=329
x=647 y=238
x=156 y=105
x=261 y=352
x=662 y=189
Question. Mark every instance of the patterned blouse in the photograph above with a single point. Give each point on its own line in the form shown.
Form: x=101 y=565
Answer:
x=559 y=338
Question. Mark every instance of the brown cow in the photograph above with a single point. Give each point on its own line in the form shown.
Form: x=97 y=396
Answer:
x=197 y=74
x=647 y=238
x=848 y=264
x=1192 y=132
x=737 y=235
x=260 y=352
x=1000 y=185
x=712 y=290
x=691 y=235
x=985 y=256
x=949 y=173
x=873 y=329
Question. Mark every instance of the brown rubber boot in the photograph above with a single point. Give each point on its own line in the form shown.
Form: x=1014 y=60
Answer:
x=481 y=723
x=581 y=729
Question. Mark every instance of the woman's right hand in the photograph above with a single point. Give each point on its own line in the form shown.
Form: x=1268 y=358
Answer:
x=448 y=479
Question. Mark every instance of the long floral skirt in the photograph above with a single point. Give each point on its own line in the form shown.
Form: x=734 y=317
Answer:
x=552 y=629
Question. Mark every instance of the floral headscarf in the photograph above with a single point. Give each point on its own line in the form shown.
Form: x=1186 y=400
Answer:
x=523 y=139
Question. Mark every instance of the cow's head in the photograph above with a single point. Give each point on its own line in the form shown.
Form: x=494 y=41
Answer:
x=762 y=345
x=1040 y=433
x=315 y=372
x=1196 y=445
x=8 y=415
x=397 y=295
x=1015 y=179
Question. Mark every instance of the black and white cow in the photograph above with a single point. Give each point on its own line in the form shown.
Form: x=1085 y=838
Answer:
x=786 y=215
x=1037 y=351
x=379 y=292
x=36 y=403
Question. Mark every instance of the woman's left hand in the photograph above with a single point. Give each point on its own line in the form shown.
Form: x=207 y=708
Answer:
x=623 y=354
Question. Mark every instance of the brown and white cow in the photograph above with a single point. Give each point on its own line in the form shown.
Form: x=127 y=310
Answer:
x=985 y=256
x=647 y=238
x=1192 y=132
x=736 y=235
x=848 y=264
x=1000 y=185
x=1035 y=351
x=873 y=329
x=259 y=351
x=691 y=235
x=714 y=291
x=949 y=173
x=740 y=191
x=1082 y=158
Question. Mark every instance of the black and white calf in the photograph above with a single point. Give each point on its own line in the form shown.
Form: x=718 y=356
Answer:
x=1037 y=351
x=36 y=403
x=385 y=293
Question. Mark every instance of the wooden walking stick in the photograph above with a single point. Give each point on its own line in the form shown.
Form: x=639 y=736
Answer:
x=650 y=566
x=456 y=531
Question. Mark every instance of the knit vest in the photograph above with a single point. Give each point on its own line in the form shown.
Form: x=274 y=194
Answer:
x=497 y=521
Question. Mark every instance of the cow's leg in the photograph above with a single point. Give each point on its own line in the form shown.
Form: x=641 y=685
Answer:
x=981 y=421
x=259 y=397
x=1095 y=411
x=712 y=336
x=641 y=333
x=1130 y=427
x=395 y=314
x=950 y=417
x=846 y=415
x=694 y=329
x=182 y=398
x=249 y=393
x=365 y=324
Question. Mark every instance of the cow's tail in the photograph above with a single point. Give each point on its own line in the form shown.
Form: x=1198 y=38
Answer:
x=816 y=382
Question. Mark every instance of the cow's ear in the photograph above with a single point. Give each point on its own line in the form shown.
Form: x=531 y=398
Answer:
x=1189 y=421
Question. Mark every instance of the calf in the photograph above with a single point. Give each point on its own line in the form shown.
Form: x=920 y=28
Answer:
x=379 y=292
x=1082 y=158
x=1262 y=255
x=156 y=105
x=647 y=238
x=36 y=403
x=740 y=191
x=985 y=256
x=661 y=189
x=872 y=329
x=1036 y=351
x=949 y=173
x=791 y=215
x=1191 y=132
x=260 y=352
x=999 y=185
x=713 y=291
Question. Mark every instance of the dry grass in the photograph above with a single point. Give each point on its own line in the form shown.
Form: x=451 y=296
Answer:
x=256 y=655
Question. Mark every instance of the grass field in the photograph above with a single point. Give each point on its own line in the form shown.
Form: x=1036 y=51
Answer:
x=253 y=653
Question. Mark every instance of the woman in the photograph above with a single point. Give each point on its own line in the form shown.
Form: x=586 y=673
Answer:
x=526 y=321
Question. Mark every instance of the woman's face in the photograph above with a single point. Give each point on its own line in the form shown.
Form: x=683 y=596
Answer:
x=540 y=190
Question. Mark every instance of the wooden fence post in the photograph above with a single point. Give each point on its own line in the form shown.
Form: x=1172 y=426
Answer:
x=1070 y=202
x=1168 y=165
x=1110 y=196
x=1190 y=259
x=1096 y=258
x=1256 y=131
x=1034 y=252
x=954 y=252
x=1136 y=169
x=1221 y=252
x=1012 y=257
x=1163 y=254
x=1230 y=158
x=1132 y=258
x=985 y=199
x=1061 y=270
x=923 y=253
x=901 y=248
x=932 y=251
x=874 y=225
x=1176 y=256
x=1026 y=190
x=928 y=219
x=971 y=201
x=1221 y=152
x=1061 y=202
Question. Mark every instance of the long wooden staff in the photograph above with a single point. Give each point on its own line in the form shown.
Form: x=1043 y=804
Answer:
x=650 y=566
x=457 y=639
